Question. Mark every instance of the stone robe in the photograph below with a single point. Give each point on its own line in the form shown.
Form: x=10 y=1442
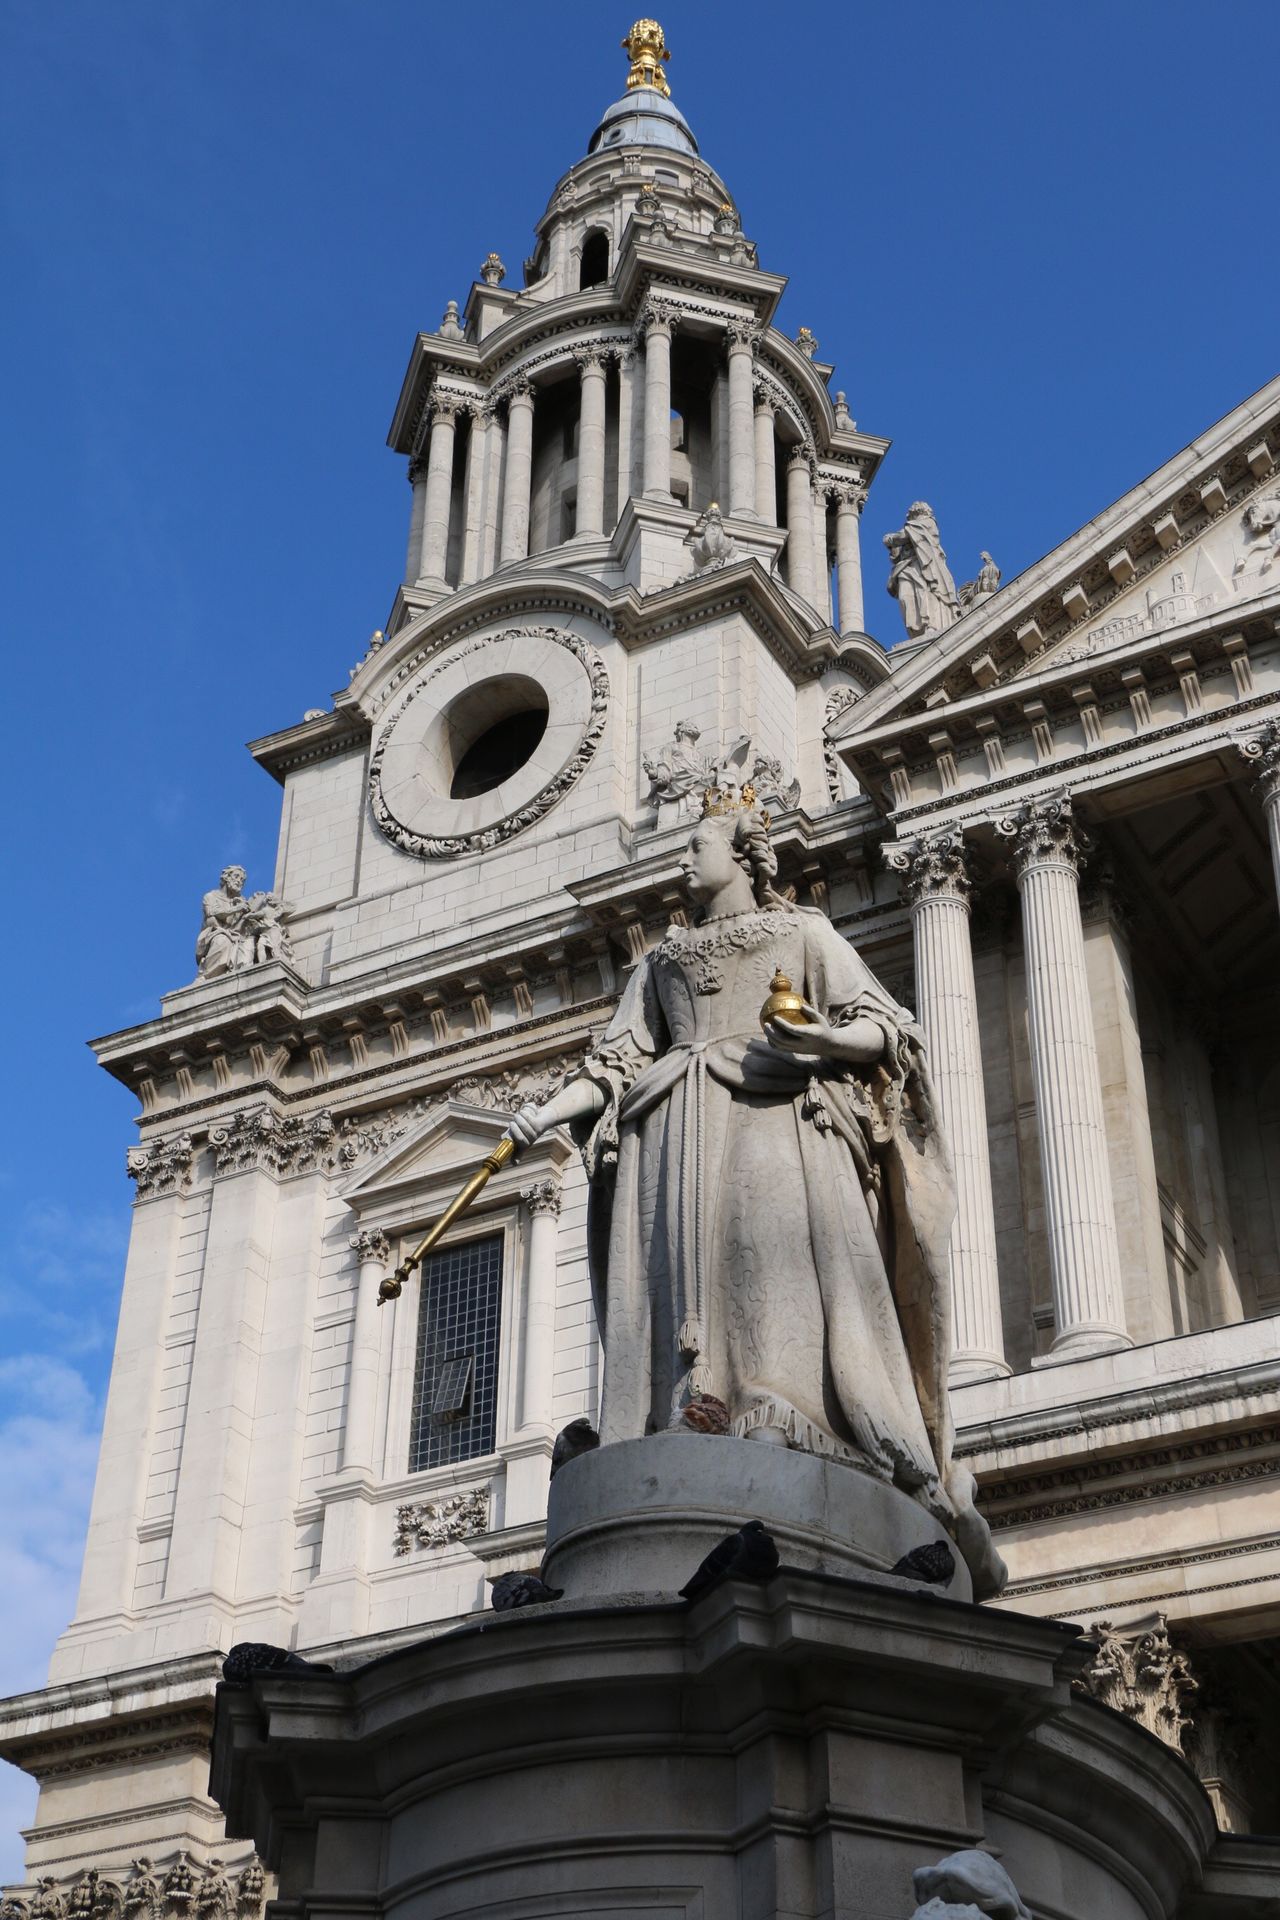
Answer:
x=769 y=1231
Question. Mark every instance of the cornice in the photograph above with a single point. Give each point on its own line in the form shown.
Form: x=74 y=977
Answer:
x=308 y=741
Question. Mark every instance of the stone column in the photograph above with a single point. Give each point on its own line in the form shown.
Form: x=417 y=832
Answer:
x=538 y=1371
x=417 y=513
x=766 y=472
x=800 y=525
x=495 y=443
x=519 y=474
x=591 y=367
x=626 y=426
x=821 y=554
x=849 y=559
x=658 y=328
x=473 y=497
x=373 y=1250
x=1084 y=1261
x=1263 y=755
x=742 y=454
x=947 y=1004
x=435 y=519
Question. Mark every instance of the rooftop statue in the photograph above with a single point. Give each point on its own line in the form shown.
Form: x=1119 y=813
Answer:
x=237 y=932
x=920 y=580
x=770 y=1209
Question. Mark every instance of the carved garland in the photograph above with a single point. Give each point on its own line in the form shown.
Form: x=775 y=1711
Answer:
x=187 y=1888
x=441 y=1523
x=452 y=847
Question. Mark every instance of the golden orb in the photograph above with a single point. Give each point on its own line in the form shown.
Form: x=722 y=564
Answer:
x=784 y=1003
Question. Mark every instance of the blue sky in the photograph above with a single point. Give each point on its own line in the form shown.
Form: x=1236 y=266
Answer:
x=1036 y=241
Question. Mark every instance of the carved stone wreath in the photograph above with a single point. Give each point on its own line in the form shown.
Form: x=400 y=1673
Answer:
x=578 y=720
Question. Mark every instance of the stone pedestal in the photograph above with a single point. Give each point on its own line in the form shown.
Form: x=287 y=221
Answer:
x=639 y=1516
x=798 y=1748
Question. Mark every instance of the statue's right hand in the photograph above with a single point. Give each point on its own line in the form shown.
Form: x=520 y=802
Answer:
x=526 y=1125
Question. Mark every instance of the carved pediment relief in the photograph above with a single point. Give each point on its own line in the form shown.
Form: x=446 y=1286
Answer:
x=438 y=1154
x=1236 y=561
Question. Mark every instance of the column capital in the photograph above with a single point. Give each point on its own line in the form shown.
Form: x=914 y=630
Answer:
x=445 y=405
x=935 y=866
x=1261 y=753
x=543 y=1198
x=657 y=316
x=742 y=335
x=764 y=400
x=417 y=469
x=591 y=357
x=802 y=456
x=1045 y=833
x=519 y=388
x=370 y=1244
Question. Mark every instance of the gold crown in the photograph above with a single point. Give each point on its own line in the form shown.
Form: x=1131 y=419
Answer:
x=727 y=800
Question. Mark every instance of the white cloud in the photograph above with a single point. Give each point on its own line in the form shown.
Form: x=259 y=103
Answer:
x=49 y=1427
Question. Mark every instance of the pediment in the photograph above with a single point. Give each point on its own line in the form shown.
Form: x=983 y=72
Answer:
x=438 y=1153
x=450 y=1141
x=1200 y=535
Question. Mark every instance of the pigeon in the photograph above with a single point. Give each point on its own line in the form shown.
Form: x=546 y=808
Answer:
x=934 y=1564
x=249 y=1657
x=521 y=1590
x=748 y=1554
x=578 y=1437
x=969 y=1876
x=706 y=1414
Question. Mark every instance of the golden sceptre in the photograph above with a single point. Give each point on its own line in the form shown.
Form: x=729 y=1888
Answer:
x=475 y=1185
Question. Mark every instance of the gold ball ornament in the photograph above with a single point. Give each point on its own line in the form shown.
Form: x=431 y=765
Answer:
x=784 y=1003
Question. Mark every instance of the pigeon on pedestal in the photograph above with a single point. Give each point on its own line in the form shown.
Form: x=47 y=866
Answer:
x=749 y=1554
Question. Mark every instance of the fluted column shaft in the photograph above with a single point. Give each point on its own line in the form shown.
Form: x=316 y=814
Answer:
x=821 y=555
x=1084 y=1260
x=538 y=1374
x=800 y=526
x=417 y=514
x=742 y=451
x=947 y=1004
x=657 y=406
x=516 y=482
x=766 y=467
x=435 y=519
x=473 y=498
x=590 y=518
x=626 y=426
x=849 y=564
x=373 y=1249
x=1263 y=755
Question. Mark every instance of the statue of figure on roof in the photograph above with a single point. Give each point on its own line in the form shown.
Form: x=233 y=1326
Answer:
x=238 y=932
x=920 y=580
x=987 y=583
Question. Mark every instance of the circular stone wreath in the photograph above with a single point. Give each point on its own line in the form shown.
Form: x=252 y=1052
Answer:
x=540 y=669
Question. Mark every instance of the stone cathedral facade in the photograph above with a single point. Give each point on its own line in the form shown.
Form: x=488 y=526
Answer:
x=1050 y=820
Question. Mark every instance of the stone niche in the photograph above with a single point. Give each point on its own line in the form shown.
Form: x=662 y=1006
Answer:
x=796 y=1747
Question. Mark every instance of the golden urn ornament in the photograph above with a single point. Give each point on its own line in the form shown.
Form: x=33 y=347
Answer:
x=784 y=1003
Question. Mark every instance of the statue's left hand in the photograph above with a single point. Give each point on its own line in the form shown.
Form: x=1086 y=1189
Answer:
x=816 y=1036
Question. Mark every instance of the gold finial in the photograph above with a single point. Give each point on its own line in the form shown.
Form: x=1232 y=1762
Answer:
x=647 y=49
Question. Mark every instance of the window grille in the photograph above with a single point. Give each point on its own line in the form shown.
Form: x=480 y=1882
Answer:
x=455 y=1381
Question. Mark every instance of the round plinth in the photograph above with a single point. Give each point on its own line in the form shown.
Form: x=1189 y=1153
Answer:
x=639 y=1516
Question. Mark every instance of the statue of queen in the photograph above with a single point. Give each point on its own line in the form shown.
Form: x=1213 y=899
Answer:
x=770 y=1211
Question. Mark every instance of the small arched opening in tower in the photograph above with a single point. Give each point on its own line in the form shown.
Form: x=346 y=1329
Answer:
x=595 y=259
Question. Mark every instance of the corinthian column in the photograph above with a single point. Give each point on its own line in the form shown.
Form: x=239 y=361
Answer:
x=821 y=553
x=435 y=519
x=658 y=327
x=766 y=462
x=417 y=513
x=515 y=490
x=800 y=525
x=946 y=1001
x=538 y=1373
x=626 y=426
x=1263 y=754
x=373 y=1250
x=1084 y=1260
x=742 y=452
x=849 y=559
x=590 y=518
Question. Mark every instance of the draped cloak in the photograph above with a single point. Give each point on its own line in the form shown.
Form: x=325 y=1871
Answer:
x=770 y=1230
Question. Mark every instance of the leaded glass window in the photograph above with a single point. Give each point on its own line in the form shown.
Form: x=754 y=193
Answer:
x=455 y=1377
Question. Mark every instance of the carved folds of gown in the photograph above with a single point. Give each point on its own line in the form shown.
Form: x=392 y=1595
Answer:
x=779 y=1242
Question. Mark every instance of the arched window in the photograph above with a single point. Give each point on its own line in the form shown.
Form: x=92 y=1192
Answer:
x=595 y=259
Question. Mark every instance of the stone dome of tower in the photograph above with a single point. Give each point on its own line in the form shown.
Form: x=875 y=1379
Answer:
x=643 y=118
